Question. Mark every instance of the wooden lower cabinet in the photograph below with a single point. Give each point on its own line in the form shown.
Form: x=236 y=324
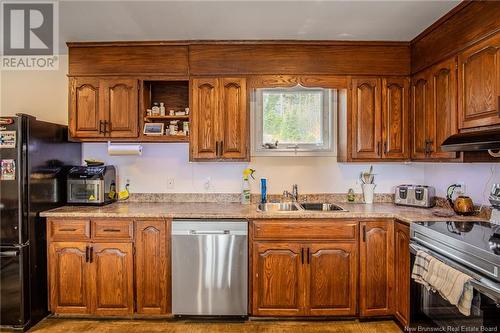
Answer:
x=278 y=281
x=69 y=278
x=152 y=267
x=376 y=268
x=304 y=279
x=112 y=276
x=331 y=279
x=402 y=272
x=87 y=278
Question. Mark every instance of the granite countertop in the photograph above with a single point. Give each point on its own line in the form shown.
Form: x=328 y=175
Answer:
x=236 y=210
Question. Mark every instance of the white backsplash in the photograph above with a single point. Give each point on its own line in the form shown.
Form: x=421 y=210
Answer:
x=160 y=163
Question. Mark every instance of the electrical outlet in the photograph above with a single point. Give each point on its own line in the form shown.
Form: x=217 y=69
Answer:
x=461 y=190
x=207 y=184
x=170 y=183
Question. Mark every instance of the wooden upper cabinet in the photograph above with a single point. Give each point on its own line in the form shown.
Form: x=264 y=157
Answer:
x=444 y=99
x=112 y=275
x=376 y=268
x=120 y=103
x=479 y=84
x=366 y=118
x=205 y=118
x=434 y=112
x=103 y=108
x=402 y=272
x=332 y=279
x=151 y=267
x=234 y=123
x=395 y=115
x=278 y=287
x=421 y=115
x=219 y=119
x=85 y=115
x=69 y=278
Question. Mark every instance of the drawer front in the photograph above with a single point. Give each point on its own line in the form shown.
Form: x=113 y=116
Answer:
x=69 y=230
x=114 y=230
x=295 y=229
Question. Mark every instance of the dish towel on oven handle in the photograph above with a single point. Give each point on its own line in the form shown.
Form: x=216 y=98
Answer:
x=452 y=285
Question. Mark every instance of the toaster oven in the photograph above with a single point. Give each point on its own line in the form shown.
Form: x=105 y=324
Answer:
x=92 y=185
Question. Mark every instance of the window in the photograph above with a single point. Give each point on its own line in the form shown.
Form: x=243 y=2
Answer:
x=293 y=121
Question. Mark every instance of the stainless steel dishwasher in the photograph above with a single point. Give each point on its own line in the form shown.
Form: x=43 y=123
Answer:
x=210 y=267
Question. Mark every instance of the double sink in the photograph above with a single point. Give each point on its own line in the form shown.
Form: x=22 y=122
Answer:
x=298 y=207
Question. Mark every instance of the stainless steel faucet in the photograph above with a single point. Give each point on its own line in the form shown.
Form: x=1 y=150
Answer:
x=295 y=192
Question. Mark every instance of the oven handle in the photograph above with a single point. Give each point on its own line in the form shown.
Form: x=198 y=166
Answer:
x=483 y=285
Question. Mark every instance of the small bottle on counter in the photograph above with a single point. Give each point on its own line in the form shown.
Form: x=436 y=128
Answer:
x=351 y=196
x=171 y=112
x=162 y=109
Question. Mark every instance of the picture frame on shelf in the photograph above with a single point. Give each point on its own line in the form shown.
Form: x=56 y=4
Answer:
x=153 y=129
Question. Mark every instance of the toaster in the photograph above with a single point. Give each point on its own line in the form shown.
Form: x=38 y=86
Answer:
x=92 y=185
x=415 y=195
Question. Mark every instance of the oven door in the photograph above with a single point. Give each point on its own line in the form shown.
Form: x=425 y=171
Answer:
x=85 y=191
x=430 y=310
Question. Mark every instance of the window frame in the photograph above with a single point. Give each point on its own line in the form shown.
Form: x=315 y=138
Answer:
x=328 y=121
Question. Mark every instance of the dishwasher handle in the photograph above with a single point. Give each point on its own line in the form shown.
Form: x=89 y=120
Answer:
x=209 y=232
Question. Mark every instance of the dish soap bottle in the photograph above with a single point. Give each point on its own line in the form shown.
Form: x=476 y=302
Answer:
x=245 y=193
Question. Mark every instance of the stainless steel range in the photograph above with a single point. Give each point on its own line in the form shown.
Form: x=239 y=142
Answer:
x=470 y=247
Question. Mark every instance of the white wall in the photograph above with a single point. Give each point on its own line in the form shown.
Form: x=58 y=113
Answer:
x=44 y=94
x=477 y=177
x=150 y=172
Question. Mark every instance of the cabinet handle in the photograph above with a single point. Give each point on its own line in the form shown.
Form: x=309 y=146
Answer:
x=385 y=147
x=101 y=131
x=106 y=130
x=364 y=233
x=111 y=230
x=378 y=148
x=67 y=229
x=302 y=255
x=87 y=249
x=91 y=252
x=221 y=150
x=216 y=148
x=308 y=256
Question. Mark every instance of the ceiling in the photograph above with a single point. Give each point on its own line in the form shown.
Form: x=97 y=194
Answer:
x=307 y=20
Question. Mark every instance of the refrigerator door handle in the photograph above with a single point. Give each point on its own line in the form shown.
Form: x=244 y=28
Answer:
x=9 y=254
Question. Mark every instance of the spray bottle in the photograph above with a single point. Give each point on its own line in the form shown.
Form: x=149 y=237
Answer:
x=245 y=193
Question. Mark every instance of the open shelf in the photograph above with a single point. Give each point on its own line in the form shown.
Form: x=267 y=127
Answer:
x=175 y=96
x=152 y=118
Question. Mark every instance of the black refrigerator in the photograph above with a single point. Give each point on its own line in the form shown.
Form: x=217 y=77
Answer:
x=35 y=157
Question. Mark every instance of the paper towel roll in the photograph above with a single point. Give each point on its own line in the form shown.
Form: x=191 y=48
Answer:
x=124 y=149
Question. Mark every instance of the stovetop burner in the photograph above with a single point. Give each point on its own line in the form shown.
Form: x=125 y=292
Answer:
x=482 y=235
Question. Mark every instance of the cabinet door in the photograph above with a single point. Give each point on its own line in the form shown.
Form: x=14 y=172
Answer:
x=234 y=118
x=376 y=268
x=205 y=119
x=120 y=104
x=444 y=91
x=366 y=119
x=422 y=115
x=112 y=288
x=331 y=279
x=395 y=113
x=151 y=267
x=479 y=84
x=69 y=278
x=85 y=114
x=402 y=269
x=278 y=287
